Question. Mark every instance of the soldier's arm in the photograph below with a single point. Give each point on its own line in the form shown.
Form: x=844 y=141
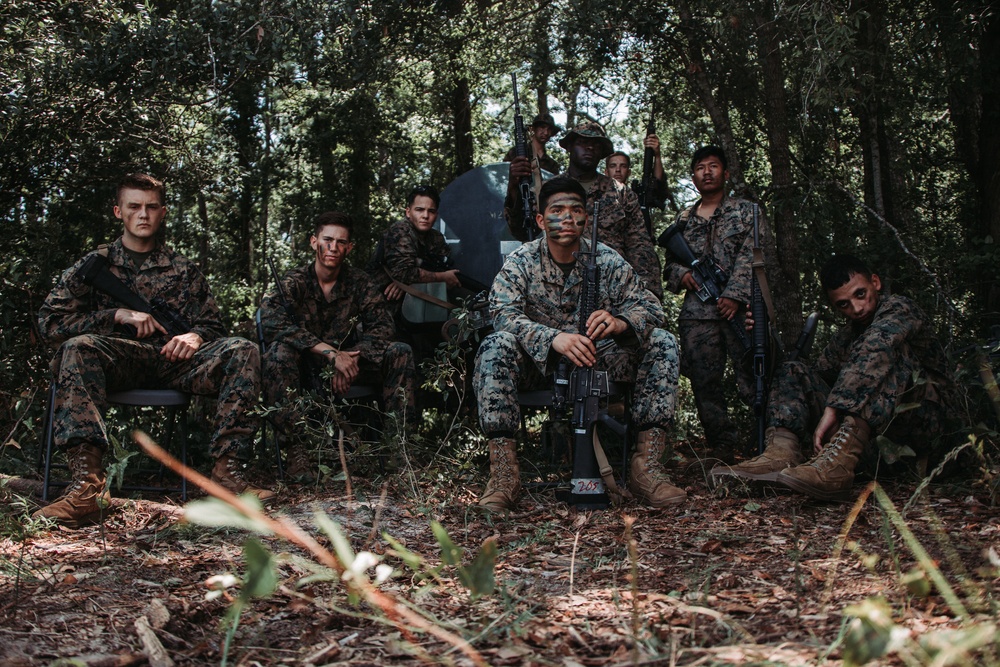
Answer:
x=278 y=325
x=200 y=307
x=639 y=249
x=738 y=287
x=378 y=328
x=70 y=310
x=507 y=303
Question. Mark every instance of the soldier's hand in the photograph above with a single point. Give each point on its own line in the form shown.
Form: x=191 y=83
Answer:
x=652 y=141
x=520 y=167
x=602 y=324
x=347 y=365
x=578 y=349
x=145 y=324
x=393 y=292
x=826 y=423
x=339 y=384
x=748 y=321
x=688 y=281
x=450 y=278
x=727 y=307
x=181 y=348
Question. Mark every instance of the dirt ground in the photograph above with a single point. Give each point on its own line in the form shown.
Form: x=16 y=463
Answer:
x=744 y=577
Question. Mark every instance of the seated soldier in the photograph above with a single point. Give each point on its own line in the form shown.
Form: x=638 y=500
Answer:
x=851 y=392
x=334 y=315
x=535 y=303
x=106 y=348
x=410 y=252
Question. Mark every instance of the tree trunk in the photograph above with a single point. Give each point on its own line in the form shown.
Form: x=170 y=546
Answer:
x=462 y=114
x=783 y=265
x=988 y=178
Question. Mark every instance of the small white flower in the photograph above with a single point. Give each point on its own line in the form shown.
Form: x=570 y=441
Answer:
x=382 y=572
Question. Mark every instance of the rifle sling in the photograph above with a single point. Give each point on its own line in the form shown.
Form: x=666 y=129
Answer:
x=608 y=473
x=765 y=290
x=420 y=295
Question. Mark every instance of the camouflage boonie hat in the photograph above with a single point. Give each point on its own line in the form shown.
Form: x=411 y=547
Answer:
x=590 y=130
x=546 y=119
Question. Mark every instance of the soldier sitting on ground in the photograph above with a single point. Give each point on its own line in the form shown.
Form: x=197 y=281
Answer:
x=338 y=317
x=106 y=347
x=885 y=356
x=535 y=301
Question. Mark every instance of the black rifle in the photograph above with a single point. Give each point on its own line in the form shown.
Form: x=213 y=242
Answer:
x=709 y=277
x=647 y=199
x=806 y=337
x=309 y=369
x=95 y=272
x=760 y=335
x=521 y=150
x=446 y=263
x=584 y=387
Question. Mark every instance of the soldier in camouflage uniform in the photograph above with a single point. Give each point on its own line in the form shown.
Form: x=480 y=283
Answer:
x=338 y=317
x=543 y=128
x=621 y=225
x=106 y=348
x=719 y=230
x=535 y=301
x=866 y=372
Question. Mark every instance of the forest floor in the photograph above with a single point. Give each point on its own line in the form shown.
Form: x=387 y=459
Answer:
x=741 y=576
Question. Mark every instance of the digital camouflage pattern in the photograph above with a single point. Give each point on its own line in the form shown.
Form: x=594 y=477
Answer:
x=546 y=161
x=868 y=372
x=404 y=248
x=356 y=317
x=533 y=301
x=621 y=227
x=96 y=357
x=705 y=337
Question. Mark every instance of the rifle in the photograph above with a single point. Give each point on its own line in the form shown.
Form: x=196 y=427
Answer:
x=584 y=388
x=760 y=335
x=709 y=277
x=646 y=201
x=521 y=150
x=309 y=369
x=446 y=263
x=95 y=272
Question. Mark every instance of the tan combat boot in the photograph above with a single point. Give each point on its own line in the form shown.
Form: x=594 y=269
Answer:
x=228 y=471
x=781 y=450
x=86 y=500
x=504 y=485
x=647 y=478
x=829 y=474
x=300 y=467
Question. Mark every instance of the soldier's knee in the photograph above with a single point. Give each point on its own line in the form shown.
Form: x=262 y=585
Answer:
x=399 y=352
x=281 y=355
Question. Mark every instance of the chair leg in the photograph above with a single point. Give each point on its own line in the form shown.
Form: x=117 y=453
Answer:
x=49 y=428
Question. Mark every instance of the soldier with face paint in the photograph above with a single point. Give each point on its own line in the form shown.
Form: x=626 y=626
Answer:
x=885 y=356
x=535 y=301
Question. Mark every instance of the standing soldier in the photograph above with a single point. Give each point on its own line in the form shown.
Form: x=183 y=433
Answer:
x=719 y=230
x=543 y=128
x=535 y=301
x=621 y=225
x=334 y=315
x=884 y=357
x=105 y=348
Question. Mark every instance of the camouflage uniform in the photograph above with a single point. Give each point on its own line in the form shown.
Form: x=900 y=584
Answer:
x=355 y=317
x=546 y=162
x=403 y=251
x=706 y=337
x=533 y=301
x=621 y=227
x=871 y=371
x=95 y=357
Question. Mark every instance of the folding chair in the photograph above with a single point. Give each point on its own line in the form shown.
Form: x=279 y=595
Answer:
x=174 y=402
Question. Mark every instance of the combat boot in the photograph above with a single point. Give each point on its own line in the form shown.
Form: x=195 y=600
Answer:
x=229 y=472
x=648 y=480
x=504 y=485
x=300 y=468
x=829 y=474
x=781 y=450
x=86 y=499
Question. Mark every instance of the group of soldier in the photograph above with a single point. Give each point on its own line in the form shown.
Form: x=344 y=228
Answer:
x=822 y=417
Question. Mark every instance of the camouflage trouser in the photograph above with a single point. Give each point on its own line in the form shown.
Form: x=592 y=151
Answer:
x=395 y=374
x=88 y=367
x=705 y=347
x=503 y=367
x=799 y=396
